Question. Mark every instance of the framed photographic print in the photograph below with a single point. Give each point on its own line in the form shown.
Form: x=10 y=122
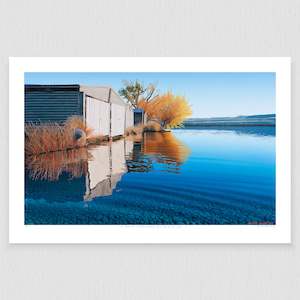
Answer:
x=149 y=150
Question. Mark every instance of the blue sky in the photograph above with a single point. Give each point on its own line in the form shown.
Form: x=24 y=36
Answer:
x=210 y=94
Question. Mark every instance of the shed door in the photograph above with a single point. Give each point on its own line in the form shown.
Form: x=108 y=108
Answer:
x=138 y=118
x=117 y=119
x=97 y=115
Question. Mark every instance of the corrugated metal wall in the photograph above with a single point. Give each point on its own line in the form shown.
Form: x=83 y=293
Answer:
x=138 y=117
x=52 y=103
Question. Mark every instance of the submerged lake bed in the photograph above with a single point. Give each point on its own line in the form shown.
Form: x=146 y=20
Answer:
x=223 y=175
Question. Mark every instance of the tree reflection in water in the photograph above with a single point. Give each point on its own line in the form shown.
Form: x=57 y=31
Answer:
x=158 y=147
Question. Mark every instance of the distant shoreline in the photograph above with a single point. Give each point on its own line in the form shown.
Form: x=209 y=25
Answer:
x=240 y=121
x=228 y=125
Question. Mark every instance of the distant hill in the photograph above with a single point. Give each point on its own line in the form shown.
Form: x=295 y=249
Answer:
x=253 y=120
x=268 y=116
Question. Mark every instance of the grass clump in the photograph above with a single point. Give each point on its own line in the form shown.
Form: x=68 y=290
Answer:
x=152 y=126
x=47 y=138
x=134 y=130
x=140 y=129
x=77 y=122
x=52 y=137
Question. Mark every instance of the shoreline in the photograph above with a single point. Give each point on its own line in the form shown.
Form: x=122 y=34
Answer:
x=229 y=125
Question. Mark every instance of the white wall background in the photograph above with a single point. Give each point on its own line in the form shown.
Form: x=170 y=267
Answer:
x=149 y=28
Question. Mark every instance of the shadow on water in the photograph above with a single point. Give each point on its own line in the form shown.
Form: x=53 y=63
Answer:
x=240 y=130
x=98 y=169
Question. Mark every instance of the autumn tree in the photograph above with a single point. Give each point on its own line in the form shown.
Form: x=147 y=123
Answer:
x=135 y=91
x=168 y=109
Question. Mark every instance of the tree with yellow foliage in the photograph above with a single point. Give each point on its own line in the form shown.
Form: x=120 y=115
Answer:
x=168 y=109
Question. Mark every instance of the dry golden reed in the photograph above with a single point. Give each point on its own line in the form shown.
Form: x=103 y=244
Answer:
x=51 y=137
x=152 y=126
x=135 y=130
x=47 y=138
x=140 y=129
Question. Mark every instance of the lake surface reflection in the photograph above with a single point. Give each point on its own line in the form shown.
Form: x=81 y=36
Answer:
x=188 y=176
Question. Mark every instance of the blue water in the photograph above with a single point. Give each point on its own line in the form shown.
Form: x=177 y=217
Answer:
x=187 y=176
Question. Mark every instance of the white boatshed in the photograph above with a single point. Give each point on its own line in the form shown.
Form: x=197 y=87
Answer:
x=105 y=111
x=101 y=107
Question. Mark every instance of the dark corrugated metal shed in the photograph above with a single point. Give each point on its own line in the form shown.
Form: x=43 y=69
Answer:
x=139 y=116
x=52 y=103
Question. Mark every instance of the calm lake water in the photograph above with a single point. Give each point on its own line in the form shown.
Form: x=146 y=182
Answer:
x=187 y=176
